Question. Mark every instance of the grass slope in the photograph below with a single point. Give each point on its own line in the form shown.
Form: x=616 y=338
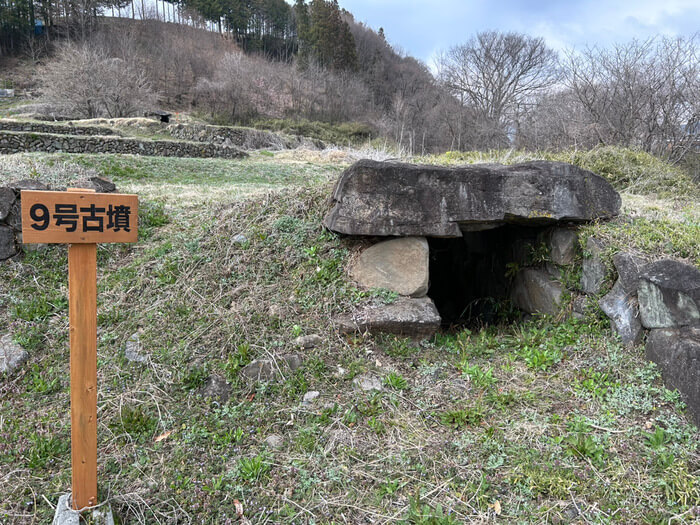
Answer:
x=550 y=421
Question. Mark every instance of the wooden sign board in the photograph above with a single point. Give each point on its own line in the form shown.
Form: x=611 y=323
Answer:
x=81 y=218
x=78 y=218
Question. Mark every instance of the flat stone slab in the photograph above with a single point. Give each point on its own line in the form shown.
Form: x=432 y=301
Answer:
x=397 y=199
x=417 y=318
x=622 y=308
x=535 y=292
x=8 y=248
x=399 y=265
x=593 y=269
x=669 y=294
x=677 y=353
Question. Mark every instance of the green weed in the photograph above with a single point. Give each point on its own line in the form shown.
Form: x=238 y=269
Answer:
x=595 y=383
x=43 y=380
x=136 y=422
x=460 y=418
x=420 y=513
x=398 y=347
x=583 y=445
x=680 y=487
x=195 y=377
x=480 y=378
x=253 y=469
x=45 y=450
x=396 y=381
x=658 y=439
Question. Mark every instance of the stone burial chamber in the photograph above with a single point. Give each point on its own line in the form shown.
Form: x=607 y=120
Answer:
x=458 y=243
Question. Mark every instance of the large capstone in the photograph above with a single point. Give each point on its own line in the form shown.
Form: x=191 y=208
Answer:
x=396 y=199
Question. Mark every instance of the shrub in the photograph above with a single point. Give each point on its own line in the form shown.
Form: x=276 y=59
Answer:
x=84 y=81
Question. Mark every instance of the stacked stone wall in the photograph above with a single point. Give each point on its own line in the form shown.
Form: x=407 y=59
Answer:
x=246 y=138
x=16 y=142
x=58 y=129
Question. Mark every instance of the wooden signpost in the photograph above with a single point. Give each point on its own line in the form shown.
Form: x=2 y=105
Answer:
x=81 y=218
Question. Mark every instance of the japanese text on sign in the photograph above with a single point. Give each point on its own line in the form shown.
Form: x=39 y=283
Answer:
x=90 y=218
x=76 y=217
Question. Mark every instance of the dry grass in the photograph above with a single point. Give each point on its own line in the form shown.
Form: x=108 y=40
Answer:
x=569 y=442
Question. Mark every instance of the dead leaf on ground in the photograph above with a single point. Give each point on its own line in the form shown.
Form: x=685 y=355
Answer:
x=163 y=436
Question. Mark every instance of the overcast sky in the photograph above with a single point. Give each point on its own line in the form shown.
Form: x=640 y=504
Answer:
x=422 y=28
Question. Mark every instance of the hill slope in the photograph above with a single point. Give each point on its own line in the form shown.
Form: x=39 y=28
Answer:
x=546 y=421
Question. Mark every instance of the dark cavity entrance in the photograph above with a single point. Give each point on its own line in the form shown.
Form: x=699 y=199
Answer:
x=470 y=277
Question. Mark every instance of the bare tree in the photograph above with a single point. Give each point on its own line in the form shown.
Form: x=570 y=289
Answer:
x=496 y=74
x=228 y=95
x=555 y=122
x=84 y=81
x=643 y=94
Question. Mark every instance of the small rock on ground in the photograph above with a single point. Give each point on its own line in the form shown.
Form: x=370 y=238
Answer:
x=216 y=387
x=260 y=370
x=239 y=239
x=133 y=351
x=274 y=441
x=266 y=369
x=308 y=341
x=367 y=383
x=293 y=361
x=310 y=397
x=12 y=356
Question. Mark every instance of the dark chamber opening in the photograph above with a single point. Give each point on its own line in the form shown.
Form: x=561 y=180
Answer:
x=469 y=277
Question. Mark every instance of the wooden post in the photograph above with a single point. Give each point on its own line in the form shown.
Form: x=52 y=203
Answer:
x=81 y=218
x=82 y=291
x=82 y=315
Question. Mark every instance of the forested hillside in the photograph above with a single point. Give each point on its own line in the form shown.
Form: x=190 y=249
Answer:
x=271 y=64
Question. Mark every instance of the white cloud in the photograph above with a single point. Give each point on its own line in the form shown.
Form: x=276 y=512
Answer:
x=422 y=28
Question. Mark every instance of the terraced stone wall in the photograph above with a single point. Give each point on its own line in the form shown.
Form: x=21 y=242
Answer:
x=59 y=129
x=16 y=142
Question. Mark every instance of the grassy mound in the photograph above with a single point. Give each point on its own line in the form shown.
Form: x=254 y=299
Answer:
x=344 y=133
x=531 y=423
x=627 y=170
